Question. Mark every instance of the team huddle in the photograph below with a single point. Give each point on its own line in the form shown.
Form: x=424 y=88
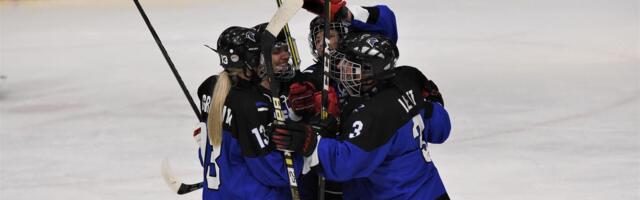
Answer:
x=373 y=144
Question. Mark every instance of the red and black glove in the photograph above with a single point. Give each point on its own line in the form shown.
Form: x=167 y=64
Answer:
x=332 y=100
x=304 y=100
x=338 y=8
x=296 y=137
x=300 y=97
x=432 y=93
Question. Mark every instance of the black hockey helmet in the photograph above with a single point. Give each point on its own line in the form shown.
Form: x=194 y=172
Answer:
x=317 y=25
x=363 y=56
x=261 y=27
x=285 y=71
x=239 y=48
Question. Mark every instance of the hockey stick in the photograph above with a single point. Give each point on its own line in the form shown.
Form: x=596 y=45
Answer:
x=166 y=57
x=171 y=180
x=279 y=20
x=291 y=42
x=324 y=114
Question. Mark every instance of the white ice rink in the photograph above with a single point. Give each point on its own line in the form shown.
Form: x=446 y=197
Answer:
x=544 y=95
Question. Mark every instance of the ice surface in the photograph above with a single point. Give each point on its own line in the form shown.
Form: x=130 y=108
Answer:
x=543 y=94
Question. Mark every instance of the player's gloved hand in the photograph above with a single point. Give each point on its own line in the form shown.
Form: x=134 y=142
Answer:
x=300 y=97
x=431 y=93
x=196 y=133
x=326 y=128
x=297 y=137
x=332 y=101
x=339 y=9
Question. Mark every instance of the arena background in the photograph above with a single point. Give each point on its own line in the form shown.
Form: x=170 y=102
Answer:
x=543 y=94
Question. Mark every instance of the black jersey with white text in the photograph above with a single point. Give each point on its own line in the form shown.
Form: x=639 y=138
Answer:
x=204 y=94
x=382 y=152
x=246 y=165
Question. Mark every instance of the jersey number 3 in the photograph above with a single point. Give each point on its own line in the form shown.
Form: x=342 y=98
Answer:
x=418 y=130
x=213 y=171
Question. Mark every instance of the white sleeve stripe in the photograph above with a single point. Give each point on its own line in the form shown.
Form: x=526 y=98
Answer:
x=204 y=132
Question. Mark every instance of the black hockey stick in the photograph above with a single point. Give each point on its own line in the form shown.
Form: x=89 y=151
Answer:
x=324 y=114
x=177 y=186
x=279 y=20
x=173 y=182
x=166 y=57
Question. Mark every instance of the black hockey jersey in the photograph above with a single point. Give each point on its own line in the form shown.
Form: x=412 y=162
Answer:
x=382 y=150
x=246 y=165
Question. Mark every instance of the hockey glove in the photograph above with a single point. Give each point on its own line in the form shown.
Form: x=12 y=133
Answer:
x=198 y=134
x=332 y=101
x=326 y=128
x=339 y=9
x=300 y=97
x=297 y=137
x=431 y=93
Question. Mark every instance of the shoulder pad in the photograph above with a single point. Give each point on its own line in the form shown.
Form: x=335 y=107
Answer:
x=372 y=123
x=204 y=94
x=407 y=77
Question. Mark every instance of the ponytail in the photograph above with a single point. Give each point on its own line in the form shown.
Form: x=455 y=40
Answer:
x=216 y=115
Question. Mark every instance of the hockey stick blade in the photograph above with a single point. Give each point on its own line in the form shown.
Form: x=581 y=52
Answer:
x=172 y=181
x=286 y=11
x=293 y=47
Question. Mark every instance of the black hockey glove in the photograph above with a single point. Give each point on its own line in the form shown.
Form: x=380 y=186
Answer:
x=297 y=137
x=326 y=128
x=431 y=93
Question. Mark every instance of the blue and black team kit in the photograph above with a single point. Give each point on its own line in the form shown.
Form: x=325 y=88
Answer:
x=380 y=153
x=245 y=165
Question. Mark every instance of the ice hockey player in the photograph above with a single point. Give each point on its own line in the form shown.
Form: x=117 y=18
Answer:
x=375 y=19
x=238 y=158
x=389 y=118
x=308 y=103
x=344 y=19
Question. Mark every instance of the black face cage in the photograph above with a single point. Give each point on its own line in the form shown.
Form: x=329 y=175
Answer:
x=348 y=73
x=341 y=27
